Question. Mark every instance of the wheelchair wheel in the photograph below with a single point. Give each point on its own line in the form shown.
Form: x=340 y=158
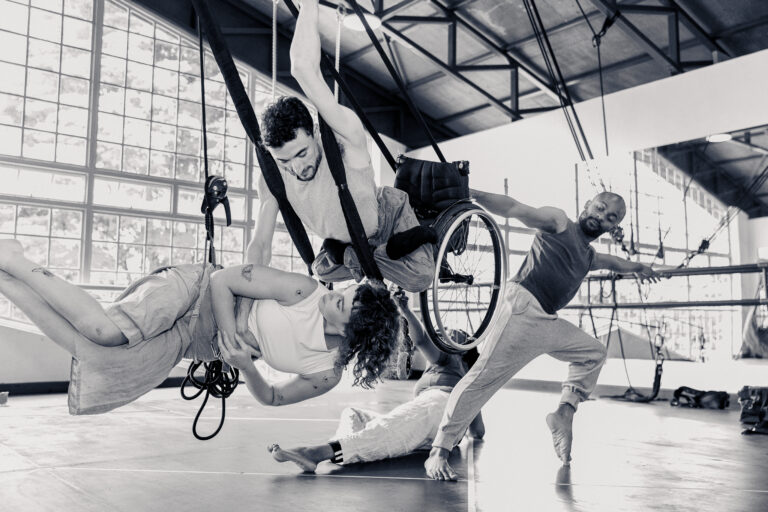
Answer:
x=470 y=276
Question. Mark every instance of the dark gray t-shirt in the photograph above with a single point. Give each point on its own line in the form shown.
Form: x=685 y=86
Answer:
x=447 y=371
x=555 y=266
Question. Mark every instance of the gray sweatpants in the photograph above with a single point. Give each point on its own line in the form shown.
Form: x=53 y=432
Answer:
x=528 y=333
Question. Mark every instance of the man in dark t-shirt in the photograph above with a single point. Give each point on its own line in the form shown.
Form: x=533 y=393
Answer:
x=366 y=436
x=548 y=279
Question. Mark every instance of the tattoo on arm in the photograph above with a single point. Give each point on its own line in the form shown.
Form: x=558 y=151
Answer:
x=43 y=271
x=247 y=271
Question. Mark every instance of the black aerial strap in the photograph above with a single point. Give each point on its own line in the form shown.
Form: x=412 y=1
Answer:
x=250 y=123
x=328 y=65
x=396 y=77
x=351 y=216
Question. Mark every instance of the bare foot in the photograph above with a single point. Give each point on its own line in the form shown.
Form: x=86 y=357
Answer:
x=561 y=426
x=10 y=248
x=295 y=456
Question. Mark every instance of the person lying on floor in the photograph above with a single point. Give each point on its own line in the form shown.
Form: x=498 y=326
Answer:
x=123 y=350
x=367 y=436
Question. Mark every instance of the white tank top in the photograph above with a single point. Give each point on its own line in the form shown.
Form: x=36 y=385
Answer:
x=292 y=338
x=317 y=203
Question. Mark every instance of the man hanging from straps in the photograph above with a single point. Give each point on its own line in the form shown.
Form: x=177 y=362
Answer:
x=550 y=276
x=292 y=138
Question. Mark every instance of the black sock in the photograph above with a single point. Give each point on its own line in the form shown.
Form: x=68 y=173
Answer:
x=408 y=241
x=335 y=250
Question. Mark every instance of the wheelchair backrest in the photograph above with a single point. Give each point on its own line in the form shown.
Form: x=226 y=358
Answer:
x=432 y=186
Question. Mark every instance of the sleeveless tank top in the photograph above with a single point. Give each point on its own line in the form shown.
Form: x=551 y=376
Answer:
x=292 y=338
x=317 y=203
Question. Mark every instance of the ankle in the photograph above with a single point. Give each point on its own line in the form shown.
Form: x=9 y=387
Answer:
x=565 y=409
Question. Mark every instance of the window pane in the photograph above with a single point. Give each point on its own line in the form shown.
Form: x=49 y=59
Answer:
x=110 y=128
x=138 y=104
x=141 y=26
x=159 y=232
x=214 y=119
x=44 y=55
x=10 y=140
x=189 y=88
x=77 y=33
x=167 y=55
x=135 y=160
x=115 y=42
x=50 y=5
x=35 y=248
x=112 y=70
x=139 y=76
x=45 y=25
x=163 y=137
x=40 y=115
x=157 y=257
x=188 y=168
x=235 y=175
x=79 y=8
x=140 y=48
x=161 y=164
x=109 y=156
x=10 y=113
x=115 y=15
x=13 y=78
x=39 y=145
x=43 y=184
x=74 y=91
x=14 y=48
x=103 y=256
x=33 y=221
x=14 y=17
x=66 y=223
x=179 y=256
x=76 y=62
x=232 y=239
x=184 y=234
x=65 y=253
x=188 y=142
x=130 y=258
x=163 y=109
x=111 y=99
x=125 y=194
x=229 y=259
x=7 y=218
x=137 y=132
x=71 y=150
x=43 y=85
x=105 y=227
x=235 y=150
x=73 y=120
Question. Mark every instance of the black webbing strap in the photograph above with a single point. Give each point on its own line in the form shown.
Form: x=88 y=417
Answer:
x=351 y=216
x=396 y=77
x=328 y=65
x=250 y=123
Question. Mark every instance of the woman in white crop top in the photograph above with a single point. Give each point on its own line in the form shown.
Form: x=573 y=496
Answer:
x=299 y=327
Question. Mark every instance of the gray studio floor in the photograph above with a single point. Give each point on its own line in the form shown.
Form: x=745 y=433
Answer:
x=143 y=458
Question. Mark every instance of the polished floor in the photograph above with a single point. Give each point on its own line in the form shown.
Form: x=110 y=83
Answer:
x=633 y=457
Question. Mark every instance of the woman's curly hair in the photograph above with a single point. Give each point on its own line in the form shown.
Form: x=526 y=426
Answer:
x=282 y=118
x=372 y=333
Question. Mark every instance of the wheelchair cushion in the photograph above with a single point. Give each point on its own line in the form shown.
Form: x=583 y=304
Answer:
x=432 y=186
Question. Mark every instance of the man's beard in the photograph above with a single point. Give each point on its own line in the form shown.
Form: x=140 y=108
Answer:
x=591 y=232
x=315 y=167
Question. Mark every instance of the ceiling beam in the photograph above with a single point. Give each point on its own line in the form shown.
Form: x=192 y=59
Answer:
x=399 y=7
x=695 y=27
x=609 y=8
x=742 y=27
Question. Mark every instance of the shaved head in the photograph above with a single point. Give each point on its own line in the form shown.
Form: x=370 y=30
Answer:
x=602 y=214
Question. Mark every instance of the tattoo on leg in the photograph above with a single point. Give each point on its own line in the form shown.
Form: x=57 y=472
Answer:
x=246 y=272
x=43 y=271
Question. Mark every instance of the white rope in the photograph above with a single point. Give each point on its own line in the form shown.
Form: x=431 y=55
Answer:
x=274 y=48
x=339 y=19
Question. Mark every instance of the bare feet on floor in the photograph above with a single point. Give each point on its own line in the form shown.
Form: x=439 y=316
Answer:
x=560 y=423
x=296 y=456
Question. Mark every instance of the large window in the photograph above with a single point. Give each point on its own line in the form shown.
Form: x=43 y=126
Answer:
x=101 y=146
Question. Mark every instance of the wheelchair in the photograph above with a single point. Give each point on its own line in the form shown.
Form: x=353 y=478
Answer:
x=458 y=309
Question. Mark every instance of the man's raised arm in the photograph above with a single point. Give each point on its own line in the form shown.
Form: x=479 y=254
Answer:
x=546 y=218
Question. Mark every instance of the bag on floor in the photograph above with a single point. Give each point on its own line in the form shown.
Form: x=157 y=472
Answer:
x=694 y=398
x=754 y=404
